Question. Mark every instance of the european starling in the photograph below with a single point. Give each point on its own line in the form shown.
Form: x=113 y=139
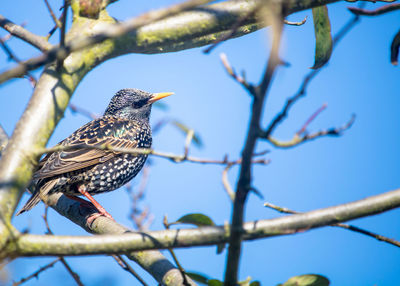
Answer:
x=84 y=171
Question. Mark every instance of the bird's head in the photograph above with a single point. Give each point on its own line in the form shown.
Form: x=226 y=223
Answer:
x=133 y=103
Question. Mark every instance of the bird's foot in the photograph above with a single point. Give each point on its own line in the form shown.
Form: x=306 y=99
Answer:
x=102 y=211
x=94 y=216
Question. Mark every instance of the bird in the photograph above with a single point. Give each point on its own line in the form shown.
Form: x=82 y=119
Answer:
x=91 y=171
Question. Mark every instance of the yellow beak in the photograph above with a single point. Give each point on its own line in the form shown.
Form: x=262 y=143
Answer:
x=158 y=96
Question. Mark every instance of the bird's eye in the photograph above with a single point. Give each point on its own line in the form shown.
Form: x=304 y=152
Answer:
x=139 y=103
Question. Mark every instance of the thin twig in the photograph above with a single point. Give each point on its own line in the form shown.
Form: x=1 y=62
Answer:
x=76 y=109
x=36 y=273
x=296 y=23
x=53 y=16
x=310 y=119
x=9 y=36
x=296 y=140
x=62 y=33
x=54 y=29
x=342 y=225
x=225 y=182
x=135 y=151
x=241 y=80
x=13 y=57
x=376 y=12
x=125 y=265
x=180 y=267
x=23 y=34
x=188 y=140
x=289 y=103
x=73 y=274
x=137 y=215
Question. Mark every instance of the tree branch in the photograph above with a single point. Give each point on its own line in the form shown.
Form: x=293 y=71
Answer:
x=135 y=151
x=36 y=273
x=342 y=225
x=148 y=34
x=53 y=16
x=33 y=245
x=244 y=183
x=381 y=10
x=23 y=34
x=297 y=139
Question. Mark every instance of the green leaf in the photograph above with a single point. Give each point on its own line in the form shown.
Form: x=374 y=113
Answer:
x=198 y=277
x=307 y=280
x=255 y=283
x=196 y=219
x=215 y=282
x=185 y=129
x=323 y=36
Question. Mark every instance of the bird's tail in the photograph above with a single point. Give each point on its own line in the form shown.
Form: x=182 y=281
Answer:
x=33 y=201
x=37 y=195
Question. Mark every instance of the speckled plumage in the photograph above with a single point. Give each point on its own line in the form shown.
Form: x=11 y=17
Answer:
x=125 y=124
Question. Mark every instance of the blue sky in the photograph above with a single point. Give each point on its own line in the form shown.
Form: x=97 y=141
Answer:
x=359 y=79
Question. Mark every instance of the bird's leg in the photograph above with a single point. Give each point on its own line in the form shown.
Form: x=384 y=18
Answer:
x=80 y=200
x=102 y=211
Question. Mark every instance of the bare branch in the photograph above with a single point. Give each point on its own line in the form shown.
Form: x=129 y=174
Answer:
x=227 y=185
x=73 y=274
x=62 y=33
x=29 y=245
x=289 y=103
x=379 y=11
x=13 y=57
x=76 y=109
x=296 y=23
x=373 y=1
x=25 y=35
x=188 y=140
x=53 y=16
x=310 y=119
x=125 y=265
x=244 y=183
x=180 y=267
x=36 y=273
x=296 y=140
x=140 y=218
x=342 y=225
x=135 y=151
x=241 y=80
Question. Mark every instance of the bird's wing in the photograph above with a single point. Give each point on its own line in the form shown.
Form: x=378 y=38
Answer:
x=96 y=133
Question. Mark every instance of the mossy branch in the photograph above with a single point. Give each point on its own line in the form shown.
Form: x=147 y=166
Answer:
x=43 y=245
